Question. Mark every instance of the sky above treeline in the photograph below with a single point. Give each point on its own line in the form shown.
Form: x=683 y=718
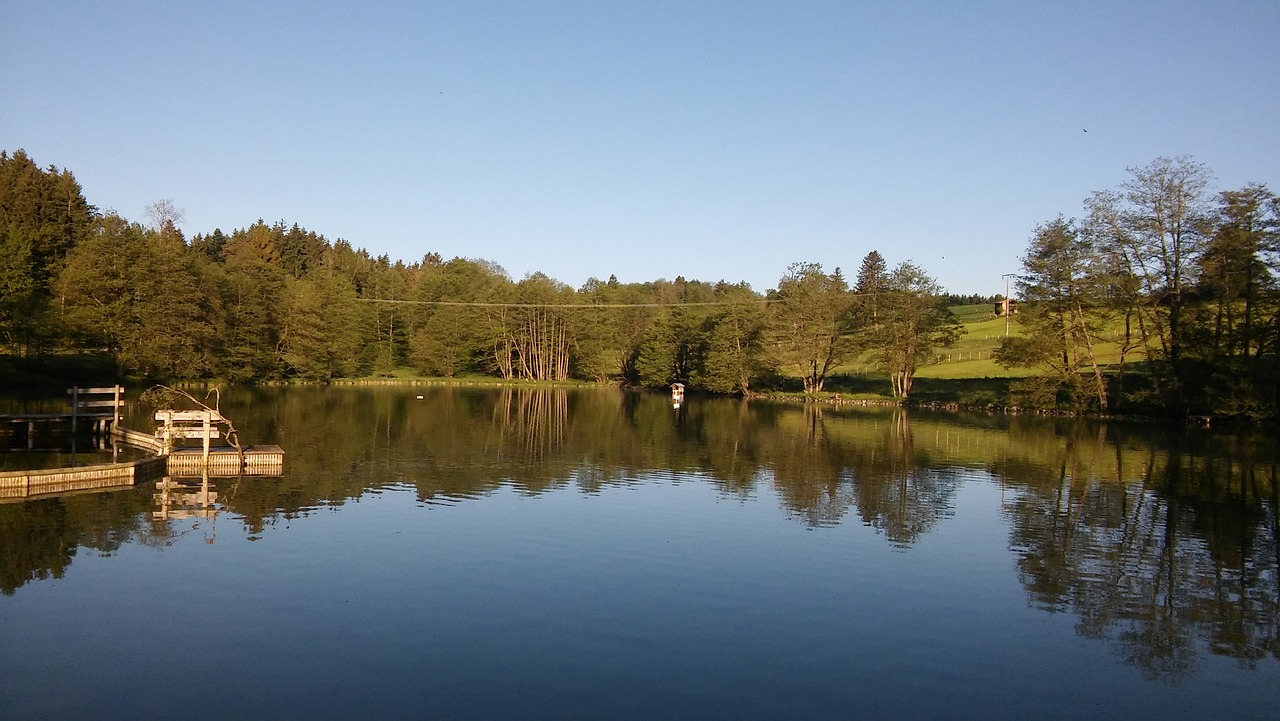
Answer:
x=713 y=140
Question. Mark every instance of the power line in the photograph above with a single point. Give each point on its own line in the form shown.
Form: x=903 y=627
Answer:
x=481 y=304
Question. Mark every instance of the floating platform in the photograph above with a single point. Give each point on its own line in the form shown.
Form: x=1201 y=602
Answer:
x=20 y=485
x=224 y=461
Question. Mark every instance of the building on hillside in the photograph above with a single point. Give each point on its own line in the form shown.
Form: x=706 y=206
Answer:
x=1006 y=306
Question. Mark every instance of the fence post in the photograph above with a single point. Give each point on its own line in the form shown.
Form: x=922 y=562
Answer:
x=206 y=439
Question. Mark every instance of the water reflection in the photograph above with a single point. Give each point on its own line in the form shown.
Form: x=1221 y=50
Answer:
x=1153 y=548
x=39 y=538
x=180 y=499
x=1163 y=544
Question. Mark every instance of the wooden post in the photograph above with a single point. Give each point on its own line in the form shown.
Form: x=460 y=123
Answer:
x=206 y=446
x=115 y=408
x=75 y=409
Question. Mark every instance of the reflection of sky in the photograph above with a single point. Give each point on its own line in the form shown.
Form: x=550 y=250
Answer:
x=664 y=597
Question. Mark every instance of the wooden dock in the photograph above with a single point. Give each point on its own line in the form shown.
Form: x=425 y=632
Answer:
x=225 y=461
x=21 y=485
x=169 y=461
x=85 y=406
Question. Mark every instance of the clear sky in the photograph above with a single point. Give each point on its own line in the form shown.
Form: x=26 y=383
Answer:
x=714 y=140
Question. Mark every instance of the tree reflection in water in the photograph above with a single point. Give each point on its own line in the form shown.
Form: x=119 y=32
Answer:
x=1163 y=544
x=1157 y=548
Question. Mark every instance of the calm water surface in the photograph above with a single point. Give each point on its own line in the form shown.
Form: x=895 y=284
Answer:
x=595 y=554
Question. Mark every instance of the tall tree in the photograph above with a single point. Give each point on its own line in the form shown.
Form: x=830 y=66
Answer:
x=811 y=328
x=914 y=323
x=1234 y=343
x=598 y=352
x=321 y=333
x=670 y=350
x=1155 y=228
x=461 y=325
x=733 y=342
x=253 y=305
x=129 y=291
x=873 y=281
x=1062 y=324
x=540 y=332
x=43 y=215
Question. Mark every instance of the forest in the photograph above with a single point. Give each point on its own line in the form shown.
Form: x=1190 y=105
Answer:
x=1182 y=281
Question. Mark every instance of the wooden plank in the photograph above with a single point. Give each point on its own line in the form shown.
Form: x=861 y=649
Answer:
x=193 y=433
x=91 y=391
x=189 y=416
x=100 y=404
x=24 y=417
x=25 y=484
x=139 y=440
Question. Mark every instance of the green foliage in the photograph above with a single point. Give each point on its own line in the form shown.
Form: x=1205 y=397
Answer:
x=1158 y=291
x=446 y=336
x=732 y=352
x=913 y=322
x=1061 y=317
x=129 y=291
x=321 y=336
x=811 y=324
x=43 y=215
x=251 y=303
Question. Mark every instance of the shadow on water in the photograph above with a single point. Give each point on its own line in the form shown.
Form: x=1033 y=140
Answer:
x=1163 y=544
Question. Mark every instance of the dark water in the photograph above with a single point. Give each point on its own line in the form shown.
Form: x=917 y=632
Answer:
x=594 y=554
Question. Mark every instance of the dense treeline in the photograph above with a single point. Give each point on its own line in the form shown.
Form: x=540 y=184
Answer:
x=1184 y=280
x=277 y=301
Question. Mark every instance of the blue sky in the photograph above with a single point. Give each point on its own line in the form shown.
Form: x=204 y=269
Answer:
x=714 y=140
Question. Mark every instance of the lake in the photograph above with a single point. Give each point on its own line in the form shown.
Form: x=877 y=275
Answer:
x=570 y=554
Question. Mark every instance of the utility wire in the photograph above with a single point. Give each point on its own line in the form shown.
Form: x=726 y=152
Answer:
x=484 y=304
x=480 y=304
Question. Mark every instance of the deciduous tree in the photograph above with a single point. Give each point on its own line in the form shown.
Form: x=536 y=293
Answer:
x=1061 y=318
x=914 y=323
x=811 y=325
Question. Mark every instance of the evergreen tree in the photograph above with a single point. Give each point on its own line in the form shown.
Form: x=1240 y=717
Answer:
x=43 y=215
x=129 y=292
x=321 y=333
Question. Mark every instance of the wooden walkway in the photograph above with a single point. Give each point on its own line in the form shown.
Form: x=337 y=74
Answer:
x=21 y=485
x=85 y=406
x=206 y=461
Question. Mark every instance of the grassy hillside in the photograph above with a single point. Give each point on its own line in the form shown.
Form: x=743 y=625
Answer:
x=970 y=357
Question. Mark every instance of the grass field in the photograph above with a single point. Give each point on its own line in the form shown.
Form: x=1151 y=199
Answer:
x=970 y=357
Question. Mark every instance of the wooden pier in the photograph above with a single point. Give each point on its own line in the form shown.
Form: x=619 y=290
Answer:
x=21 y=485
x=173 y=427
x=85 y=406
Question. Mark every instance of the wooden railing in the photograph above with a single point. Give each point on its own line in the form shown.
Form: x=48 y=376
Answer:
x=201 y=425
x=84 y=400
